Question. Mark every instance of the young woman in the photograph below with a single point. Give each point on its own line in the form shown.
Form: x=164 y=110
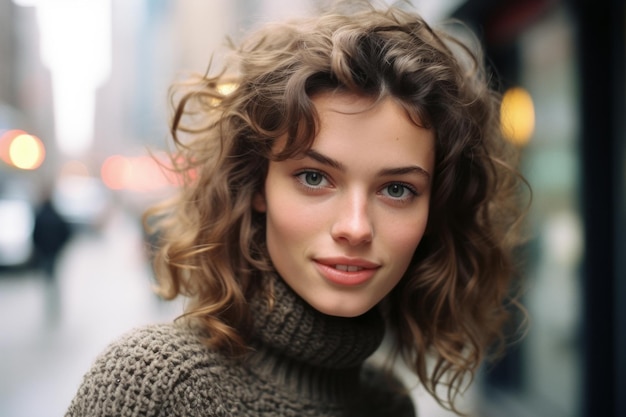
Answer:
x=354 y=182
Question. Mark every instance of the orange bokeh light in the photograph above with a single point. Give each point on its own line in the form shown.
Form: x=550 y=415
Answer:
x=115 y=171
x=6 y=137
x=517 y=116
x=21 y=150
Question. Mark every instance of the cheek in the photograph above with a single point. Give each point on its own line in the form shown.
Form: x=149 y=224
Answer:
x=289 y=222
x=404 y=237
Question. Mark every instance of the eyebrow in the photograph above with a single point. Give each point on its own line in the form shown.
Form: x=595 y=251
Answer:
x=326 y=160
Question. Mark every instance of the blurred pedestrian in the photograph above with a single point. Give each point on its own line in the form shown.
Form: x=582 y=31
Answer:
x=51 y=234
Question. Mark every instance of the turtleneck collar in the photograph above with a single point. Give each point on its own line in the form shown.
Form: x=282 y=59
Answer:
x=291 y=327
x=317 y=354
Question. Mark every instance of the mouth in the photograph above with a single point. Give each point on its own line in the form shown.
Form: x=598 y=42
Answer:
x=346 y=272
x=348 y=264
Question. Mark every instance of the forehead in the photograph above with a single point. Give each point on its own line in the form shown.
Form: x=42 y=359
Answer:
x=364 y=131
x=365 y=106
x=350 y=118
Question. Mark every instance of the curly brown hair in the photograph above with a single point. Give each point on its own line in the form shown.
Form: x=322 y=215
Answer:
x=453 y=300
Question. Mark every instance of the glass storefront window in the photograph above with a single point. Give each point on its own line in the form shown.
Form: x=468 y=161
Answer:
x=545 y=378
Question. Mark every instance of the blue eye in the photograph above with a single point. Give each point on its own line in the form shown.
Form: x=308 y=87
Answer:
x=399 y=191
x=312 y=179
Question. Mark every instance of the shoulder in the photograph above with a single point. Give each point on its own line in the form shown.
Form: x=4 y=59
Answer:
x=139 y=373
x=167 y=342
x=151 y=350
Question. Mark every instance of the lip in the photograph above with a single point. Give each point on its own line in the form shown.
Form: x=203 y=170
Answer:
x=353 y=272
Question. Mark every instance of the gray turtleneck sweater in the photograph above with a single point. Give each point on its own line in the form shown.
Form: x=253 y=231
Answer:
x=305 y=364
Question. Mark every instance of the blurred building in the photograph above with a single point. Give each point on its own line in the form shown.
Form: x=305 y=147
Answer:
x=8 y=45
x=25 y=90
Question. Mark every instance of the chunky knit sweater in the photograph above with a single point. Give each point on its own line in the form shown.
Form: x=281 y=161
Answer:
x=304 y=364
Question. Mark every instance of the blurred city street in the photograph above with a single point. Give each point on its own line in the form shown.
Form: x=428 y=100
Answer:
x=104 y=290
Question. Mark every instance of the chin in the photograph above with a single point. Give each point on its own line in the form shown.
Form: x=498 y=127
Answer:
x=341 y=310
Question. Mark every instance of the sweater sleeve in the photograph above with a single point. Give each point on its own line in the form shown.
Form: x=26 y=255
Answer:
x=137 y=375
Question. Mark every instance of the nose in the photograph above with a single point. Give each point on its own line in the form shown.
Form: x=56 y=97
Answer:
x=353 y=223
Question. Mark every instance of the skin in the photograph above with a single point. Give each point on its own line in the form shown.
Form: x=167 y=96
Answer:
x=358 y=199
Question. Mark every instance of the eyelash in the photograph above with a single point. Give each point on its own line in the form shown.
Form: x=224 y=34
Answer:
x=301 y=175
x=412 y=192
x=301 y=179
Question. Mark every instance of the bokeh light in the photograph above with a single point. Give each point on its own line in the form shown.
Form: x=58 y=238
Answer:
x=6 y=137
x=517 y=116
x=115 y=171
x=21 y=150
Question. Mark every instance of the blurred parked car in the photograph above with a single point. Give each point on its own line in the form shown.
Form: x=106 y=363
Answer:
x=17 y=219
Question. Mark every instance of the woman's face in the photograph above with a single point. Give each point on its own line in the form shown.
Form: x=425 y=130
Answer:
x=344 y=219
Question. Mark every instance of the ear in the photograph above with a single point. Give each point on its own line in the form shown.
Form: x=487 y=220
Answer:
x=258 y=202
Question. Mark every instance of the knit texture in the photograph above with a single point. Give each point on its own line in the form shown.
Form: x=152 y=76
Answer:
x=305 y=364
